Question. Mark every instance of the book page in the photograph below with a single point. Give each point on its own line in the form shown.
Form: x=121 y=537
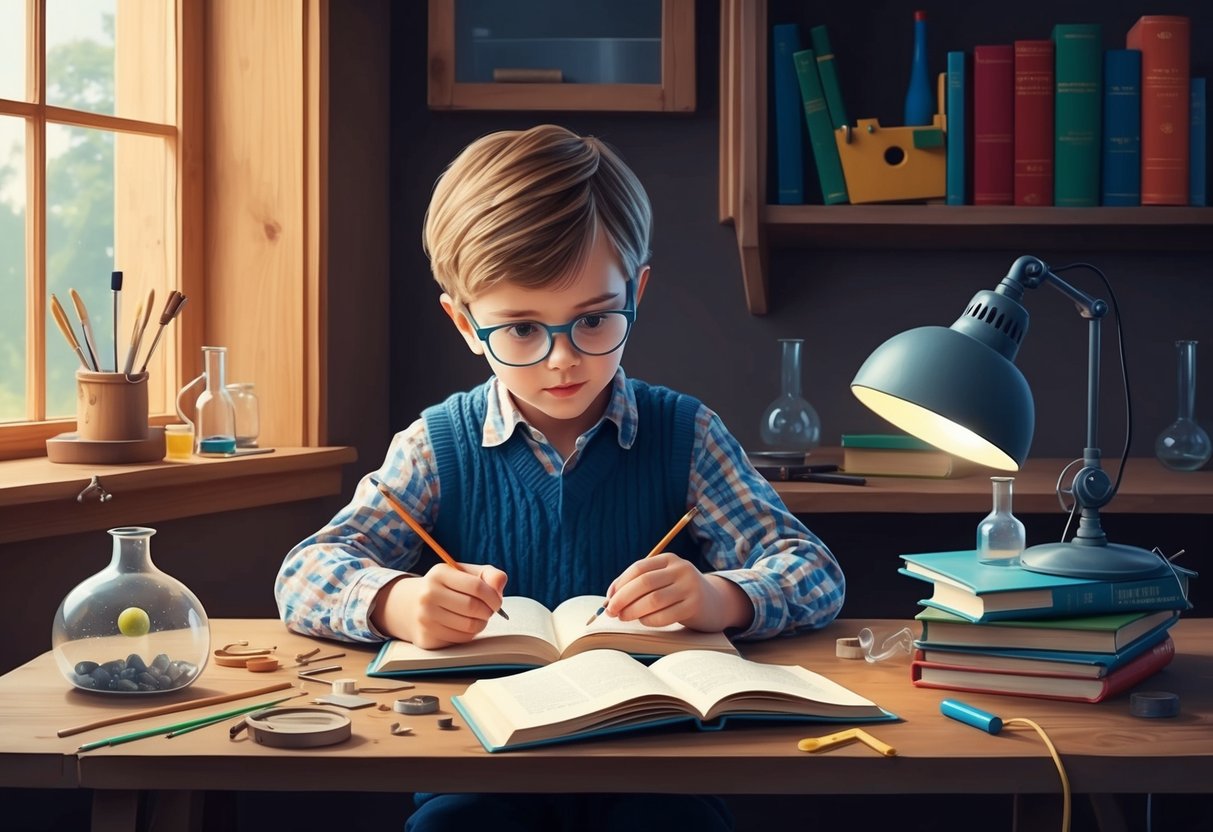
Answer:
x=569 y=620
x=706 y=679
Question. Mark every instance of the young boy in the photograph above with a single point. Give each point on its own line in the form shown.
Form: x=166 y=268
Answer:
x=558 y=474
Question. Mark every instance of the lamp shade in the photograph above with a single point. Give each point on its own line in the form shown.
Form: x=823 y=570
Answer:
x=951 y=390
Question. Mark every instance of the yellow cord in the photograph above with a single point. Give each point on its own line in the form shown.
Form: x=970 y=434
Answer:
x=1065 y=781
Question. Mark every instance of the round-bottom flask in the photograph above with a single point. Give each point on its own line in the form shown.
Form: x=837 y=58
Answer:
x=130 y=628
x=790 y=423
x=1184 y=445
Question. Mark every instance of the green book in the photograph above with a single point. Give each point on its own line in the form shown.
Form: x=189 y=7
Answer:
x=821 y=132
x=886 y=441
x=827 y=70
x=1077 y=111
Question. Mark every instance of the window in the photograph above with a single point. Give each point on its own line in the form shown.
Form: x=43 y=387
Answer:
x=91 y=181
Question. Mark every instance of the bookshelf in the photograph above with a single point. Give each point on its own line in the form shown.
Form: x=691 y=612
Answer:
x=759 y=226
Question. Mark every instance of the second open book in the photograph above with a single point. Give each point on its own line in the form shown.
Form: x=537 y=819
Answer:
x=534 y=636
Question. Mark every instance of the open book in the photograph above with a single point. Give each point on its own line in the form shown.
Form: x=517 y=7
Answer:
x=606 y=691
x=534 y=636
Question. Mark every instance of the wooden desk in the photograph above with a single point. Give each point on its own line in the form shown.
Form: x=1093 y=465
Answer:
x=1105 y=750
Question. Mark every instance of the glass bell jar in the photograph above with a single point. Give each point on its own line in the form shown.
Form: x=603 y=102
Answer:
x=130 y=628
x=790 y=423
x=1184 y=445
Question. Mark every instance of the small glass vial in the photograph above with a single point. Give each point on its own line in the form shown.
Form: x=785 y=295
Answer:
x=1000 y=536
x=178 y=442
x=248 y=423
x=215 y=427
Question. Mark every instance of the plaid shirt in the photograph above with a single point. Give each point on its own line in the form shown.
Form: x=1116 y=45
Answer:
x=327 y=584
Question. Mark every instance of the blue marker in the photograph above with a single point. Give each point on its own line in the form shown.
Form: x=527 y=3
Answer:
x=969 y=715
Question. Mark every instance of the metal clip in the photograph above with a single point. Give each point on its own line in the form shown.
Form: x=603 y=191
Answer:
x=94 y=486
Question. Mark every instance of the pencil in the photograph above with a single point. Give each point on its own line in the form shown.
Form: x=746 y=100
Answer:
x=218 y=699
x=424 y=535
x=661 y=544
x=181 y=726
x=66 y=328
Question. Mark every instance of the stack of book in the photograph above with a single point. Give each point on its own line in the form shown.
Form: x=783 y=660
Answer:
x=1005 y=630
x=898 y=455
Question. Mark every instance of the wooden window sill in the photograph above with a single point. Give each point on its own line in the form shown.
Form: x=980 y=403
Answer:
x=38 y=497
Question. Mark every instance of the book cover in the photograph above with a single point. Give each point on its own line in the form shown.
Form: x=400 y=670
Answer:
x=1078 y=664
x=1121 y=162
x=1093 y=634
x=1033 y=148
x=533 y=637
x=821 y=132
x=555 y=704
x=957 y=111
x=1197 y=146
x=981 y=592
x=993 y=125
x=897 y=455
x=1165 y=44
x=1043 y=685
x=1077 y=105
x=887 y=441
x=789 y=123
x=827 y=70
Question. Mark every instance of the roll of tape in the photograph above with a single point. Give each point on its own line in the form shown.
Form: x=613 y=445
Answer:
x=1152 y=704
x=416 y=705
x=848 y=648
x=345 y=686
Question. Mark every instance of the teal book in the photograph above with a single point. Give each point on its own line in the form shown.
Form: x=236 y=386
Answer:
x=1121 y=163
x=827 y=70
x=789 y=122
x=1197 y=145
x=821 y=132
x=706 y=690
x=885 y=441
x=958 y=119
x=981 y=592
x=1077 y=113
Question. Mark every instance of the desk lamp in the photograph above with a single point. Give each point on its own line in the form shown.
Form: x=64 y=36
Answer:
x=958 y=389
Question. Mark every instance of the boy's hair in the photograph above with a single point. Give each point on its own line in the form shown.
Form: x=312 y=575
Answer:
x=526 y=205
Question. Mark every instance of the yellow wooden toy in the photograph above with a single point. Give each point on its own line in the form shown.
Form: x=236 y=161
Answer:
x=890 y=164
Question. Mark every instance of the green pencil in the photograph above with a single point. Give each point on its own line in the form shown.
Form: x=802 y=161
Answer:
x=180 y=726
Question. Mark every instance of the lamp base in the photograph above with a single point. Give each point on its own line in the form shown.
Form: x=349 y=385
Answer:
x=1110 y=562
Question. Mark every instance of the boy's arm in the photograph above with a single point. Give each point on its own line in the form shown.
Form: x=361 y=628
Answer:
x=751 y=539
x=328 y=583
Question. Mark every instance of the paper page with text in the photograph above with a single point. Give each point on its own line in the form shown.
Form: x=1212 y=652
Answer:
x=569 y=619
x=528 y=618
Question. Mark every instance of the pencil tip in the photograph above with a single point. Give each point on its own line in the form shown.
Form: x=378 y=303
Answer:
x=590 y=620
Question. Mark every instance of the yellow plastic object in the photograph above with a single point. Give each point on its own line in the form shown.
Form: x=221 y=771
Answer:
x=891 y=164
x=841 y=737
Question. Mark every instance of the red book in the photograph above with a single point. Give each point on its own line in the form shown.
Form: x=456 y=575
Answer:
x=1041 y=685
x=993 y=125
x=1165 y=42
x=1033 y=122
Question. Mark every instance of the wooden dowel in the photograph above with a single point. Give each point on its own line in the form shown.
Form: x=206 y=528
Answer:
x=171 y=709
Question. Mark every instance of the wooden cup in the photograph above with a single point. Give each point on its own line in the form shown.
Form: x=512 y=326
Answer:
x=111 y=407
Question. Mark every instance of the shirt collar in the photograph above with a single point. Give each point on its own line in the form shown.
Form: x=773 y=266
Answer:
x=503 y=416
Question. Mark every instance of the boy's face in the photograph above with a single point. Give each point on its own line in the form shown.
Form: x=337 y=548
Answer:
x=567 y=391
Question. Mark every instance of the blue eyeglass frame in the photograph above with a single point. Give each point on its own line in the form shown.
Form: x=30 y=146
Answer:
x=628 y=312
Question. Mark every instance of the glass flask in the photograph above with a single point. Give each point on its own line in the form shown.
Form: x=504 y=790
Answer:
x=1184 y=445
x=790 y=423
x=214 y=412
x=248 y=420
x=131 y=629
x=1000 y=536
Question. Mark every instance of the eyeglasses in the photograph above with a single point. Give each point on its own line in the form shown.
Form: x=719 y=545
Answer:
x=523 y=343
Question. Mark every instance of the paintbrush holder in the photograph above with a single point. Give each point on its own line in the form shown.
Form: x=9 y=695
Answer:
x=130 y=628
x=111 y=407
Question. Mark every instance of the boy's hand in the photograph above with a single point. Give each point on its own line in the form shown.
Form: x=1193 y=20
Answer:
x=665 y=589
x=446 y=606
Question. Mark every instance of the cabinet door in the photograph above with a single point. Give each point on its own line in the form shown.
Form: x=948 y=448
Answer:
x=556 y=55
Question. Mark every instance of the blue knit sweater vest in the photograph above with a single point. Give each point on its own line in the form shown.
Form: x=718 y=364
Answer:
x=557 y=536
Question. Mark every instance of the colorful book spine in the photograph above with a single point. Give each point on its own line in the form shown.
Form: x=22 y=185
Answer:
x=1121 y=163
x=1033 y=149
x=1165 y=44
x=789 y=123
x=827 y=71
x=1198 y=147
x=1079 y=71
x=958 y=119
x=821 y=132
x=993 y=125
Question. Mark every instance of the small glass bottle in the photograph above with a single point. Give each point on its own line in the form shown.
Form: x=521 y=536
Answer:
x=1000 y=536
x=178 y=442
x=215 y=429
x=1184 y=445
x=130 y=628
x=919 y=109
x=790 y=423
x=248 y=420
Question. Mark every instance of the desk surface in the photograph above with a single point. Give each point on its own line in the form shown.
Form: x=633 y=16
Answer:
x=1104 y=748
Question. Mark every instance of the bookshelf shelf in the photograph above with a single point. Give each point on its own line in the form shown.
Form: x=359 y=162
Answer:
x=759 y=226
